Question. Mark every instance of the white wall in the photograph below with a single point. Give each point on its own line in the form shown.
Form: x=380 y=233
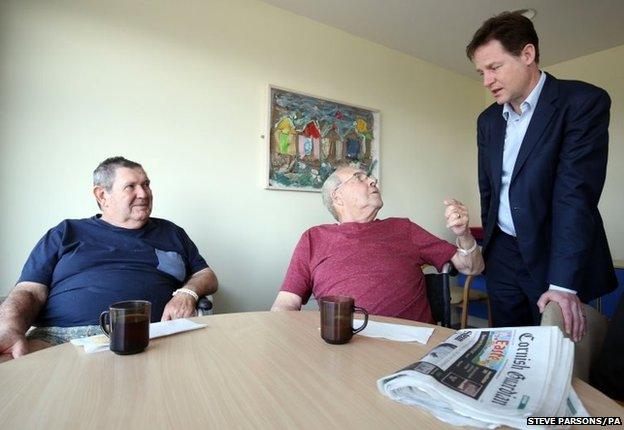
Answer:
x=181 y=87
x=606 y=70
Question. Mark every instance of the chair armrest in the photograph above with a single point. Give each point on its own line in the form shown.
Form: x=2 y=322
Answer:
x=204 y=305
x=450 y=269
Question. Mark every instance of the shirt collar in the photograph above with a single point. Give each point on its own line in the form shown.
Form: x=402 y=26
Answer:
x=530 y=101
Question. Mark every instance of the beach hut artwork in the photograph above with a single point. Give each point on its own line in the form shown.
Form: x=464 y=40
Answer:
x=309 y=136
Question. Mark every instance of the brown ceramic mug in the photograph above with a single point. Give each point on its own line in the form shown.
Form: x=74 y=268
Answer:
x=128 y=326
x=337 y=319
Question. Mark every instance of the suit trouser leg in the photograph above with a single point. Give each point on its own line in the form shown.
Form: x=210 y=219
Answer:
x=513 y=292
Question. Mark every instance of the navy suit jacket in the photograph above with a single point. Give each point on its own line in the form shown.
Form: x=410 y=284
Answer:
x=555 y=186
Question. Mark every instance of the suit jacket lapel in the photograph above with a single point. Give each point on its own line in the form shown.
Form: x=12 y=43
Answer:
x=544 y=112
x=498 y=142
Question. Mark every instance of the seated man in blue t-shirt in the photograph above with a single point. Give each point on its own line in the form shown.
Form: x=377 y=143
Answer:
x=80 y=267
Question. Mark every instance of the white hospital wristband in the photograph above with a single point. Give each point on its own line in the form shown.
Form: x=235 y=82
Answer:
x=187 y=291
x=463 y=251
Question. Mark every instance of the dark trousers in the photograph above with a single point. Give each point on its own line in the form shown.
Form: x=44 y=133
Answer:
x=513 y=292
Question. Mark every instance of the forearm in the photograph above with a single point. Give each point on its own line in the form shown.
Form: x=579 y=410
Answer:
x=203 y=282
x=22 y=306
x=569 y=251
x=286 y=301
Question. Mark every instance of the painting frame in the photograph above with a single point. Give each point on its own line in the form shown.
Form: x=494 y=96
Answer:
x=308 y=135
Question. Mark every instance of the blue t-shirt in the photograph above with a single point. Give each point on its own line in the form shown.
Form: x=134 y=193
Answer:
x=88 y=264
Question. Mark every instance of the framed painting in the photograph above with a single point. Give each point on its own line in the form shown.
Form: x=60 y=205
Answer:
x=309 y=136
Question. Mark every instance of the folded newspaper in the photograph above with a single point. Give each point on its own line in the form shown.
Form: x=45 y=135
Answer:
x=491 y=377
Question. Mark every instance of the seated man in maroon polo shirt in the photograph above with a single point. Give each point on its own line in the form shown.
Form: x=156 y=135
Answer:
x=377 y=262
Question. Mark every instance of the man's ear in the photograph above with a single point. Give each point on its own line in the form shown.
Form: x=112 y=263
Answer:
x=100 y=195
x=337 y=199
x=528 y=54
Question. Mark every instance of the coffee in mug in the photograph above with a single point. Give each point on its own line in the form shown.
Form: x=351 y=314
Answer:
x=337 y=319
x=128 y=326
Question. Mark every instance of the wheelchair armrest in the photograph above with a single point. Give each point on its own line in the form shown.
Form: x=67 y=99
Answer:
x=204 y=305
x=450 y=269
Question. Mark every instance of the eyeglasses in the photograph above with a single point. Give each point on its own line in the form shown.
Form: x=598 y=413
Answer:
x=358 y=176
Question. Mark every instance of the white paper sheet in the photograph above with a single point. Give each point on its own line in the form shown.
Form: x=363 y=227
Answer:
x=158 y=329
x=398 y=332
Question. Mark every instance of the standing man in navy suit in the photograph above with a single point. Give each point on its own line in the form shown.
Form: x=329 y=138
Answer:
x=542 y=164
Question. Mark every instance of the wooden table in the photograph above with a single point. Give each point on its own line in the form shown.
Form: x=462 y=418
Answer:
x=248 y=370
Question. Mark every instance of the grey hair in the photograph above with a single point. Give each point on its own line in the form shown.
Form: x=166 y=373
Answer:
x=104 y=173
x=329 y=186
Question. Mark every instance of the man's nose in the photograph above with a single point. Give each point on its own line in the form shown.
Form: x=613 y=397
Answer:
x=143 y=192
x=487 y=79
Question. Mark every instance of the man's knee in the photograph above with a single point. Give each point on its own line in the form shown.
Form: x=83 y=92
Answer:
x=37 y=344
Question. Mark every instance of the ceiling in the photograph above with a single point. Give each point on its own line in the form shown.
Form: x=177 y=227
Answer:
x=439 y=30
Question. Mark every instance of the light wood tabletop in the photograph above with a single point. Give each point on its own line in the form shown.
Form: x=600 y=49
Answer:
x=247 y=370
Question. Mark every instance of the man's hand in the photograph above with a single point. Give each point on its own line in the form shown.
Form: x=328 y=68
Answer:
x=457 y=220
x=180 y=306
x=456 y=216
x=13 y=342
x=574 y=318
x=183 y=305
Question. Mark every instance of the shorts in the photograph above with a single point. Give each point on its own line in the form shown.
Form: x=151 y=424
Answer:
x=58 y=335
